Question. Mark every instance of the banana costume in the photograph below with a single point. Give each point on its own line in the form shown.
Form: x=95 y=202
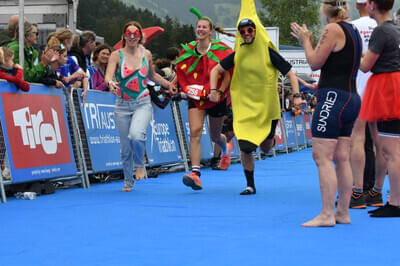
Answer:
x=254 y=92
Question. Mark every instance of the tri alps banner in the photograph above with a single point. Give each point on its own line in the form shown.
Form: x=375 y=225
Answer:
x=101 y=130
x=36 y=133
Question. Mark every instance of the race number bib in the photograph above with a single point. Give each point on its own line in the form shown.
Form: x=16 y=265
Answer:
x=195 y=92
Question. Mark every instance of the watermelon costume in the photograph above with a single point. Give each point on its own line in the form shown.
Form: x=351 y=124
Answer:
x=194 y=69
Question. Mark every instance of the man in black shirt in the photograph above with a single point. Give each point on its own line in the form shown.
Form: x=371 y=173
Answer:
x=247 y=30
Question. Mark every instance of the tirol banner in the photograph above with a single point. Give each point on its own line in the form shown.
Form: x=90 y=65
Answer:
x=36 y=132
x=162 y=144
x=290 y=132
x=101 y=130
x=279 y=137
x=206 y=145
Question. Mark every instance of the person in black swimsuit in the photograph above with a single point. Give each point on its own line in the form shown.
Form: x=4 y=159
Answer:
x=338 y=56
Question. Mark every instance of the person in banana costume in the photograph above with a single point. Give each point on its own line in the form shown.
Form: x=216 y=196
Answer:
x=254 y=88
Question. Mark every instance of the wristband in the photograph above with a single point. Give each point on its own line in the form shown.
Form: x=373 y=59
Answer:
x=297 y=95
x=218 y=91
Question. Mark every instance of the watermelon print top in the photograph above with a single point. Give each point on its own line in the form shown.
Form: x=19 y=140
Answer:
x=133 y=81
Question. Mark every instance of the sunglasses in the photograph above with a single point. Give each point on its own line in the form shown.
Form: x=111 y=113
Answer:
x=136 y=33
x=248 y=30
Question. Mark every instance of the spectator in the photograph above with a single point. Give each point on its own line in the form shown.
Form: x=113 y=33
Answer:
x=10 y=71
x=368 y=184
x=167 y=65
x=172 y=56
x=33 y=72
x=82 y=48
x=70 y=73
x=381 y=98
x=8 y=35
x=101 y=55
x=397 y=17
x=337 y=54
x=163 y=67
x=51 y=78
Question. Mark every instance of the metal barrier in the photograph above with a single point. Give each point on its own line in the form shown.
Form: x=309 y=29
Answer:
x=92 y=124
x=176 y=114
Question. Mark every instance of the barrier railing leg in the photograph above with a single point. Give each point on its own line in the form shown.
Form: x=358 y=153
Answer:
x=2 y=190
x=303 y=121
x=283 y=126
x=78 y=140
x=180 y=133
x=295 y=133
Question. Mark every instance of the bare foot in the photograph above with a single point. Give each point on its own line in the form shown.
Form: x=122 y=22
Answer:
x=342 y=218
x=126 y=189
x=139 y=173
x=321 y=221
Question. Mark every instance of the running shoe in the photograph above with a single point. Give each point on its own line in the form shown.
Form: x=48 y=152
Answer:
x=225 y=162
x=386 y=211
x=192 y=180
x=374 y=199
x=248 y=191
x=214 y=163
x=230 y=146
x=358 y=201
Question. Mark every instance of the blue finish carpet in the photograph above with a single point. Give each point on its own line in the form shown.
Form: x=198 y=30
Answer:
x=162 y=222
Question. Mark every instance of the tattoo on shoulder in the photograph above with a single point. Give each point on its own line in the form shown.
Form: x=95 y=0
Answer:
x=323 y=38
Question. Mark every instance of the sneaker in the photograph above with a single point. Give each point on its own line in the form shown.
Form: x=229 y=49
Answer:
x=374 y=199
x=225 y=162
x=214 y=163
x=192 y=180
x=387 y=211
x=248 y=191
x=375 y=210
x=358 y=201
x=230 y=146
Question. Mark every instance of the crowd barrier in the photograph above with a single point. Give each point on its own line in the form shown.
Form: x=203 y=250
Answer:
x=48 y=134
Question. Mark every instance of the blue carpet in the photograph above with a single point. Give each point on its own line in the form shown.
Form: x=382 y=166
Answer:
x=162 y=222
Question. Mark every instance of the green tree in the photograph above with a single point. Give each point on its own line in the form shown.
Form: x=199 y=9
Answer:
x=280 y=13
x=107 y=17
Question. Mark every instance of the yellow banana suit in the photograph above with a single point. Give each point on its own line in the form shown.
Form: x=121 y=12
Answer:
x=254 y=92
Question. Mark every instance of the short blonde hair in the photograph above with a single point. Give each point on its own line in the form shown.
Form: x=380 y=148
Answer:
x=64 y=34
x=335 y=9
x=5 y=54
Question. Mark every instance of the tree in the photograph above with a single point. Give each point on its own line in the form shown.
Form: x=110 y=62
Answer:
x=280 y=13
x=107 y=17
